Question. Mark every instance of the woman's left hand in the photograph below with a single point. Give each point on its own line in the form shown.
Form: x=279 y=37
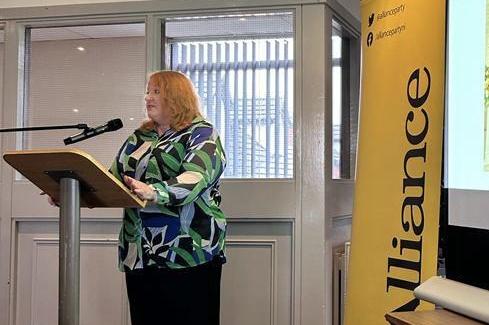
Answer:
x=142 y=190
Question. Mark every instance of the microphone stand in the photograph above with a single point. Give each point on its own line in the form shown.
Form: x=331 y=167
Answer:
x=69 y=235
x=81 y=126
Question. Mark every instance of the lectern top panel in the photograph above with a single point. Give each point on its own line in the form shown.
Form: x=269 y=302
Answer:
x=98 y=187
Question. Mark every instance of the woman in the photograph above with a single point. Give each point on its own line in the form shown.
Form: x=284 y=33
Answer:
x=172 y=250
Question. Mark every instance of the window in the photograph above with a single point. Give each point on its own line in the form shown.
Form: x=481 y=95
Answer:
x=345 y=85
x=245 y=83
x=84 y=74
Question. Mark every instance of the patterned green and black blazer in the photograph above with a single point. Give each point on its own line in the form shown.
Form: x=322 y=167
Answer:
x=185 y=227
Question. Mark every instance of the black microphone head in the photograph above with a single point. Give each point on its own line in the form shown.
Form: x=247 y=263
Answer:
x=114 y=124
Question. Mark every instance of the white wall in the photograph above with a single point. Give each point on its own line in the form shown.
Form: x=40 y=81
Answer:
x=353 y=6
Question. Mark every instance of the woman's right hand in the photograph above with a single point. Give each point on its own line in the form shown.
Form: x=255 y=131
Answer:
x=142 y=190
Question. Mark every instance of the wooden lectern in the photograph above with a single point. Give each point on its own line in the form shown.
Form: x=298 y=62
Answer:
x=74 y=179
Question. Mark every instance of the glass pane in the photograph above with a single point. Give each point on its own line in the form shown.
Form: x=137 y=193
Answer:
x=84 y=74
x=336 y=41
x=246 y=86
x=336 y=106
x=336 y=94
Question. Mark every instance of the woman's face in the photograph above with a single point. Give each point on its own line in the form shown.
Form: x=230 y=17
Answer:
x=156 y=109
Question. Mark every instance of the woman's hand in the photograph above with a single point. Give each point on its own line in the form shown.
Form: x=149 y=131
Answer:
x=142 y=190
x=50 y=200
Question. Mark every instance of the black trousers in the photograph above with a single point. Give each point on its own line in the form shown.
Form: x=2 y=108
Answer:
x=189 y=296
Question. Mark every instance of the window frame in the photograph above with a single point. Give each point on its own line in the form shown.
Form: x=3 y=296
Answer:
x=350 y=92
x=154 y=17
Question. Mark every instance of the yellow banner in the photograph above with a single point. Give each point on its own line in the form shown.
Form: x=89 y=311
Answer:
x=397 y=191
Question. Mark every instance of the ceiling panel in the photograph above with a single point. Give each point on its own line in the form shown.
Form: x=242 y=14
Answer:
x=90 y=31
x=231 y=25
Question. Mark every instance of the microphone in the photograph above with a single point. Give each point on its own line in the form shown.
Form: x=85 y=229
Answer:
x=111 y=125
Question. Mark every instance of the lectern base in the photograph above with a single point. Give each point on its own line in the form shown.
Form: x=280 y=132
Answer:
x=69 y=252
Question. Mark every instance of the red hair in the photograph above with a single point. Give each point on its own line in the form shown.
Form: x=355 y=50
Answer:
x=178 y=93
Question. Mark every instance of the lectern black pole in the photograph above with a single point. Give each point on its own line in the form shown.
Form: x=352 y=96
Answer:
x=69 y=252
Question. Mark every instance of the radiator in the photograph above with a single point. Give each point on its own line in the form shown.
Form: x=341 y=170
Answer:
x=341 y=256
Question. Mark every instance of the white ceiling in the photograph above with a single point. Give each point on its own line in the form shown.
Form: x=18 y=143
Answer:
x=182 y=27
